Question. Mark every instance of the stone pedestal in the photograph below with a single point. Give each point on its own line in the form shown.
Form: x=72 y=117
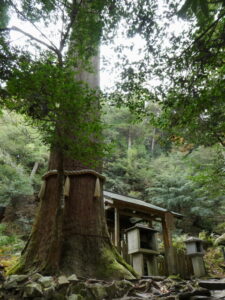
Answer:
x=195 y=251
x=138 y=263
x=139 y=260
x=170 y=261
x=198 y=266
x=152 y=266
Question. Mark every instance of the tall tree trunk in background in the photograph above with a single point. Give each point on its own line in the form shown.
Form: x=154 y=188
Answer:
x=70 y=235
x=34 y=170
x=153 y=141
x=129 y=139
x=129 y=145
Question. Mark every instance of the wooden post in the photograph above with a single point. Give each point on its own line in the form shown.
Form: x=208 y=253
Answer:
x=117 y=228
x=167 y=225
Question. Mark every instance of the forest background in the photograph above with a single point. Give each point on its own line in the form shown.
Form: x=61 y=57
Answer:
x=168 y=152
x=142 y=164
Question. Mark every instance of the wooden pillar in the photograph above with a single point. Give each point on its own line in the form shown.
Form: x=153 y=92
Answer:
x=167 y=225
x=117 y=228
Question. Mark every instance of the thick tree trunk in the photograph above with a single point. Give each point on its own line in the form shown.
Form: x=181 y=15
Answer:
x=73 y=238
x=70 y=234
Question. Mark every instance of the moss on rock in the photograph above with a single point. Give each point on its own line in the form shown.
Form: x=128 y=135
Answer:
x=114 y=267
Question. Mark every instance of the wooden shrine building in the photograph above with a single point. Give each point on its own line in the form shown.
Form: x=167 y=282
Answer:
x=123 y=213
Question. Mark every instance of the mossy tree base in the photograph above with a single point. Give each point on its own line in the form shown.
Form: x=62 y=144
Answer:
x=74 y=238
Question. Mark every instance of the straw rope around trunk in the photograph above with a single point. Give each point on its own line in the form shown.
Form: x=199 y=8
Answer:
x=97 y=192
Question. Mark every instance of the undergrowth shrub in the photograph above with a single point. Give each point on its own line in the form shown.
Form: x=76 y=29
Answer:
x=10 y=247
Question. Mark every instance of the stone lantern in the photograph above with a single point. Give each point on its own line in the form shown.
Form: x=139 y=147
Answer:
x=142 y=246
x=195 y=250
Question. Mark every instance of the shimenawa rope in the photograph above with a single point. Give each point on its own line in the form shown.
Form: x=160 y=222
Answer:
x=97 y=192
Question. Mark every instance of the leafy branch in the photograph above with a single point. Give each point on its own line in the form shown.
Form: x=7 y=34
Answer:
x=32 y=23
x=50 y=47
x=211 y=26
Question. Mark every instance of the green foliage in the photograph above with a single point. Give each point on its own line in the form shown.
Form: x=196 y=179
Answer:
x=191 y=96
x=193 y=105
x=214 y=262
x=50 y=96
x=134 y=143
x=189 y=182
x=178 y=242
x=207 y=238
x=14 y=182
x=12 y=240
x=214 y=259
x=176 y=186
x=208 y=170
x=10 y=246
x=198 y=7
x=20 y=149
x=21 y=141
x=220 y=228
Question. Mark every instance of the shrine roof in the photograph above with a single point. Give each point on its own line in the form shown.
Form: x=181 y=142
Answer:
x=137 y=203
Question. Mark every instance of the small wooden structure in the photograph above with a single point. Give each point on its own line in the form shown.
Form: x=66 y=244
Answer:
x=123 y=212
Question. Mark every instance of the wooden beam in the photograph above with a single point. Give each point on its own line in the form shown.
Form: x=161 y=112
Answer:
x=138 y=208
x=133 y=207
x=138 y=215
x=167 y=226
x=117 y=228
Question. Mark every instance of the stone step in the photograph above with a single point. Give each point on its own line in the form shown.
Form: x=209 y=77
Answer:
x=200 y=292
x=201 y=298
x=212 y=284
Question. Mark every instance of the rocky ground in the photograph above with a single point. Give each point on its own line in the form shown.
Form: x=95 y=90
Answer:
x=40 y=287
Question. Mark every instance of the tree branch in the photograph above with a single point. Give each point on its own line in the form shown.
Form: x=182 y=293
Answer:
x=34 y=25
x=204 y=32
x=14 y=28
x=74 y=12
